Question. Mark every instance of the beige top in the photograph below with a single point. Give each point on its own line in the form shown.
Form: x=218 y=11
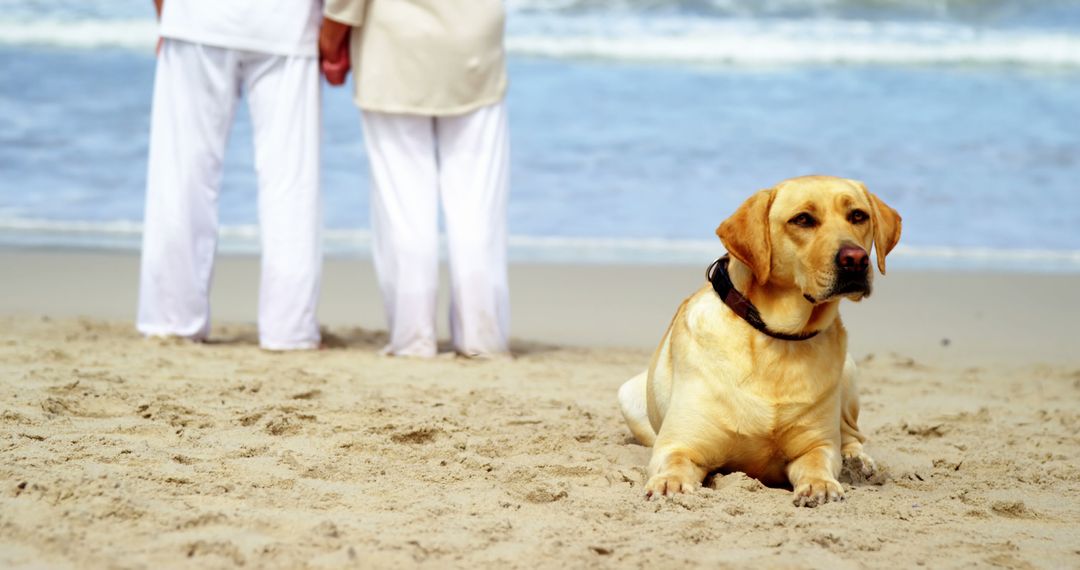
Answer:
x=425 y=57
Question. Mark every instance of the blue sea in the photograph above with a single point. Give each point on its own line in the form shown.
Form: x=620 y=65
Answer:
x=637 y=126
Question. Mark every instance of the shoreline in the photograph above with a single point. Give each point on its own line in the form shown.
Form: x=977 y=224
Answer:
x=125 y=237
x=961 y=318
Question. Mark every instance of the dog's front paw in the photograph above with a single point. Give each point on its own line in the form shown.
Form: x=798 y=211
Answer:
x=814 y=492
x=670 y=483
x=859 y=465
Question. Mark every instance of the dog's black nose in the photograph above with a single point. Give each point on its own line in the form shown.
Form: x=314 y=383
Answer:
x=852 y=258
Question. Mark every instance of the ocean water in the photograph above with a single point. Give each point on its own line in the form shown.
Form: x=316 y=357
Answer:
x=637 y=125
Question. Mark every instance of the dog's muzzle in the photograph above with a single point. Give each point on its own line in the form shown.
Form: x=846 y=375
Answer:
x=852 y=271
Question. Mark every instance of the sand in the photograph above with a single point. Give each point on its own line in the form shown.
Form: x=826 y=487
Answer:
x=121 y=452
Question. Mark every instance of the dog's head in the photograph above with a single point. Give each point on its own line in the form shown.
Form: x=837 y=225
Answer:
x=814 y=233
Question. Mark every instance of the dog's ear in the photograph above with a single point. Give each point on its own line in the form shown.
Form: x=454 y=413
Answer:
x=746 y=234
x=886 y=223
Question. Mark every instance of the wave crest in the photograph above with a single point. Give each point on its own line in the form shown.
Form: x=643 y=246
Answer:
x=679 y=39
x=85 y=34
x=244 y=239
x=755 y=43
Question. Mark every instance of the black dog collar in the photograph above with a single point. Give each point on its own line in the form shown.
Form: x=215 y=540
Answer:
x=717 y=274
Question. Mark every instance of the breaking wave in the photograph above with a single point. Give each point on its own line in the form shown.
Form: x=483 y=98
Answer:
x=243 y=239
x=678 y=39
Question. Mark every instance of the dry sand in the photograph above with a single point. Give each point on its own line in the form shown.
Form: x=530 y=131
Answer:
x=120 y=452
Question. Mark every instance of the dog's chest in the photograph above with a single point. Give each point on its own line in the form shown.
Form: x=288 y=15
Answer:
x=789 y=378
x=777 y=406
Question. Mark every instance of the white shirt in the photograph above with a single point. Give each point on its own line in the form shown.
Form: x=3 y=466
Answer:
x=281 y=27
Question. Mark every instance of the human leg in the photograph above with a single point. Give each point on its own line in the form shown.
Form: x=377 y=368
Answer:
x=474 y=167
x=195 y=94
x=284 y=99
x=404 y=214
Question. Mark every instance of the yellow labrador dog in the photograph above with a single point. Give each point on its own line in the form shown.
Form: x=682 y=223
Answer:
x=753 y=373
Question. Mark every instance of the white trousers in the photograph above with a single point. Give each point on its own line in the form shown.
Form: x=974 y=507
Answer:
x=464 y=160
x=196 y=91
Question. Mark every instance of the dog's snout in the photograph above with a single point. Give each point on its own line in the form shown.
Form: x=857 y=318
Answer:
x=852 y=258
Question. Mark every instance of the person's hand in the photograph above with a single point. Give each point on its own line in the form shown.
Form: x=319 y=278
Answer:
x=331 y=35
x=158 y=4
x=336 y=66
x=334 y=51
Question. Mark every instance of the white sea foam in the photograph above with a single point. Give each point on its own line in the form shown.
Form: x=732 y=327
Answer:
x=791 y=42
x=125 y=235
x=677 y=39
x=140 y=34
x=30 y=225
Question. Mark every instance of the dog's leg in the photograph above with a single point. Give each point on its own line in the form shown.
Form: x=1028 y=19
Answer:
x=813 y=476
x=685 y=449
x=674 y=469
x=851 y=439
x=688 y=444
x=635 y=409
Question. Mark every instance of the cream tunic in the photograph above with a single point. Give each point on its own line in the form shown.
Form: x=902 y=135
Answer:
x=425 y=57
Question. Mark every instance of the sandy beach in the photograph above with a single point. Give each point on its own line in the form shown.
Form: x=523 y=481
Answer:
x=121 y=452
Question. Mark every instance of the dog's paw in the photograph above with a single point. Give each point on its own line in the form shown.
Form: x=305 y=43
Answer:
x=859 y=465
x=669 y=484
x=814 y=492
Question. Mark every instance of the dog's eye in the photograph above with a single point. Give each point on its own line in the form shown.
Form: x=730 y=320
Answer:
x=803 y=220
x=858 y=216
